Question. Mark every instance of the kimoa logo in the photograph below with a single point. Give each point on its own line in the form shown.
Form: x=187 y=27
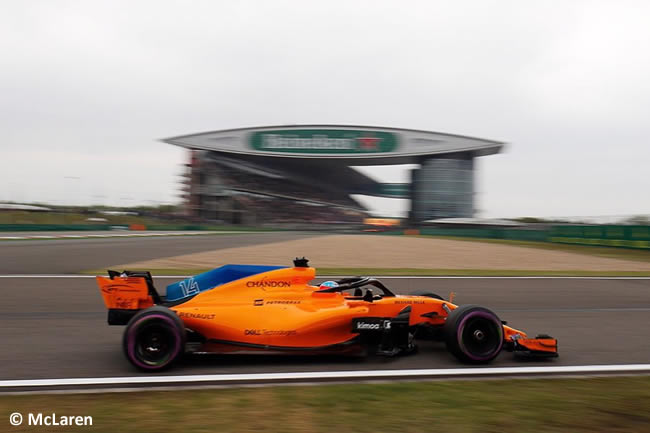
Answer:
x=364 y=325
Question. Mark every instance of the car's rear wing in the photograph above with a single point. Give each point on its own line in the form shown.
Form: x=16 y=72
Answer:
x=127 y=292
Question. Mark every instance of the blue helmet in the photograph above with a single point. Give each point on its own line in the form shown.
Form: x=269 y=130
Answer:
x=328 y=285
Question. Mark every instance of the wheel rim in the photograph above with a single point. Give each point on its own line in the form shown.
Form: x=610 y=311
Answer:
x=153 y=342
x=480 y=336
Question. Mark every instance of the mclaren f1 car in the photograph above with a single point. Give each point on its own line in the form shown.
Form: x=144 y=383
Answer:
x=273 y=309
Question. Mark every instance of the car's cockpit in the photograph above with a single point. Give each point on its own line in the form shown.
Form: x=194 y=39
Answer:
x=357 y=288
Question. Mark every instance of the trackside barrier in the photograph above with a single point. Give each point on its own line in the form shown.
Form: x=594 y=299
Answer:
x=98 y=227
x=486 y=233
x=52 y=227
x=609 y=235
x=637 y=237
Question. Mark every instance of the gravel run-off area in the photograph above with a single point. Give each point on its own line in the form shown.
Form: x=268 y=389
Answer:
x=368 y=251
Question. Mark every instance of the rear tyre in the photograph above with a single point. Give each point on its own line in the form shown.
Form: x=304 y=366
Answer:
x=154 y=339
x=473 y=334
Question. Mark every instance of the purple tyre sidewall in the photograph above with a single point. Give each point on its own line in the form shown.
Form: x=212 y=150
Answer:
x=131 y=338
x=461 y=327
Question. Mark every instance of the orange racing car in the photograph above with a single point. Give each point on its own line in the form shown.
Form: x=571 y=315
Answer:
x=273 y=309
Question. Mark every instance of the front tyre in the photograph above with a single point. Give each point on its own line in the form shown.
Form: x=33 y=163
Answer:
x=473 y=334
x=154 y=339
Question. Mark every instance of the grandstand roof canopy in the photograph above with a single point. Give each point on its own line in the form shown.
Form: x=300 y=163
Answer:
x=350 y=144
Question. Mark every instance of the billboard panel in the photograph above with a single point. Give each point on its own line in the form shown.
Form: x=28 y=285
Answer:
x=324 y=141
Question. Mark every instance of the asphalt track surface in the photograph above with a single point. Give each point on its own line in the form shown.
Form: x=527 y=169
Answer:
x=70 y=256
x=53 y=328
x=56 y=327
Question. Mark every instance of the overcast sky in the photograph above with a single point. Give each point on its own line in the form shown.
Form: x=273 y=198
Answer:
x=87 y=87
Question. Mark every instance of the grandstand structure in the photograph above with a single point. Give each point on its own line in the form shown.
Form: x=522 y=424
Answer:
x=305 y=173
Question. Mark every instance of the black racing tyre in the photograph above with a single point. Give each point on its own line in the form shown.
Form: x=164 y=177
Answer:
x=154 y=338
x=473 y=334
x=427 y=294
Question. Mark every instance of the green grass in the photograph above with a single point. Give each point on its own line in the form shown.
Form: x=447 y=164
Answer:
x=595 y=405
x=601 y=251
x=321 y=272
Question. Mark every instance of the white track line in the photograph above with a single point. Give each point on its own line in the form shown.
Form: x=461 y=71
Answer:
x=328 y=375
x=385 y=277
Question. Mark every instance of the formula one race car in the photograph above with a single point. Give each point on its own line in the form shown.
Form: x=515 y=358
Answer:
x=243 y=308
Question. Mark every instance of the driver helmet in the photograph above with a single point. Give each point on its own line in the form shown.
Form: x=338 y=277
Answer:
x=328 y=285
